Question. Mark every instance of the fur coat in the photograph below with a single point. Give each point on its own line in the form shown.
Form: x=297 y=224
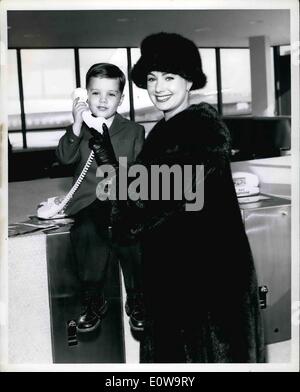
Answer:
x=199 y=278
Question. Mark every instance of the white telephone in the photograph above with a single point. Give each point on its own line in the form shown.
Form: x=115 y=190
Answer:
x=54 y=207
x=246 y=186
x=88 y=118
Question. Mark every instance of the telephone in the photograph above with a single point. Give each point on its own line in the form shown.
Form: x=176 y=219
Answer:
x=246 y=186
x=54 y=207
x=88 y=118
x=245 y=179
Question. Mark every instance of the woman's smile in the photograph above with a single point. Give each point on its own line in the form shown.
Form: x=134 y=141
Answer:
x=163 y=98
x=168 y=92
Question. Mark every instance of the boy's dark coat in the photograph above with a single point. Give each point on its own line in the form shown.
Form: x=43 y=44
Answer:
x=127 y=139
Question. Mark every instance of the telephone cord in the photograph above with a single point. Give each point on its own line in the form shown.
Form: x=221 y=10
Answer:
x=74 y=188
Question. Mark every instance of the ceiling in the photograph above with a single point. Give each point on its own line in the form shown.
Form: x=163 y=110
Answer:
x=126 y=28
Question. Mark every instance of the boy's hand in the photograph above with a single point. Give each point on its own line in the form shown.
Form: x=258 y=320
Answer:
x=78 y=109
x=102 y=147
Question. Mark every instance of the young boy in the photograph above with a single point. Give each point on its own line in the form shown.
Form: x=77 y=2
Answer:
x=90 y=234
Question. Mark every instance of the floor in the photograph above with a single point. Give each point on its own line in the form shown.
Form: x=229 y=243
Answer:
x=276 y=353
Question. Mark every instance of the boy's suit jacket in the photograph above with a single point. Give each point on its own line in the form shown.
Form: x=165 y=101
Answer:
x=127 y=138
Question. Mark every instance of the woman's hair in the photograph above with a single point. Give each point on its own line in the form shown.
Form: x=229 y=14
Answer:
x=169 y=52
x=106 y=70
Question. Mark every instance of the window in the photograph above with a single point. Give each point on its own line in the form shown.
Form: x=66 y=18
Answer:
x=283 y=79
x=14 y=109
x=48 y=81
x=118 y=57
x=144 y=109
x=284 y=50
x=40 y=139
x=209 y=92
x=236 y=81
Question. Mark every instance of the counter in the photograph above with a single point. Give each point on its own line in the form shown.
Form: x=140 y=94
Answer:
x=43 y=287
x=43 y=291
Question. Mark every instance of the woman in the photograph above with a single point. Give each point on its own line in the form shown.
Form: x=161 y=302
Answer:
x=199 y=278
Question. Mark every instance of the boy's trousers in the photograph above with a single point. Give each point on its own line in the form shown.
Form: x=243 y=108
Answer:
x=92 y=249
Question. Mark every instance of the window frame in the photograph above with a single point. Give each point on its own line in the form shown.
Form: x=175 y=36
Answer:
x=24 y=129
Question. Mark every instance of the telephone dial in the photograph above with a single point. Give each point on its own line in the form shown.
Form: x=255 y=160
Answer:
x=54 y=207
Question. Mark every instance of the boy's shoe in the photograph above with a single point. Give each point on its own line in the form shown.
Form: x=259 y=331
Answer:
x=135 y=310
x=94 y=309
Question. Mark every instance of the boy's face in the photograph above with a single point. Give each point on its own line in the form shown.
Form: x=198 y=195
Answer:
x=104 y=96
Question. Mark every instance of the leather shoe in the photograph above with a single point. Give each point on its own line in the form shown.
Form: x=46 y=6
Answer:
x=135 y=310
x=94 y=309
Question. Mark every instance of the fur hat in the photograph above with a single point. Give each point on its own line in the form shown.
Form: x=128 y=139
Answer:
x=169 y=52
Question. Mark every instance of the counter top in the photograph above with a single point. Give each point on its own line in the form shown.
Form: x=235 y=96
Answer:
x=24 y=196
x=268 y=201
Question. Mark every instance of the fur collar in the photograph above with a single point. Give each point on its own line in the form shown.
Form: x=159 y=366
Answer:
x=201 y=124
x=197 y=131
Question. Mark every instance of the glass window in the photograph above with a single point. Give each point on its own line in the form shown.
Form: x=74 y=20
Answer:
x=118 y=57
x=209 y=92
x=48 y=82
x=283 y=76
x=13 y=107
x=236 y=81
x=284 y=50
x=16 y=140
x=36 y=139
x=144 y=109
x=271 y=51
x=40 y=139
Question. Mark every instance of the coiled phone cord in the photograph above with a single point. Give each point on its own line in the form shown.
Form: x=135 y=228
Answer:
x=45 y=212
x=79 y=180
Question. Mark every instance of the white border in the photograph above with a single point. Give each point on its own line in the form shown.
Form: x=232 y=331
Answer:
x=3 y=192
x=295 y=100
x=154 y=4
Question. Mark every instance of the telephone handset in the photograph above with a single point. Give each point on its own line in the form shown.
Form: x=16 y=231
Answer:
x=88 y=118
x=54 y=207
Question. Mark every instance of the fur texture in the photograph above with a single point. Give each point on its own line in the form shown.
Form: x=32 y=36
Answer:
x=199 y=277
x=169 y=52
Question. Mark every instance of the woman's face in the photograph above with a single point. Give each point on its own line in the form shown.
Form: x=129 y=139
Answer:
x=168 y=92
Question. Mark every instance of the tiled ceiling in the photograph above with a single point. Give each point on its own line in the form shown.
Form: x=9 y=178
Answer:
x=126 y=28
